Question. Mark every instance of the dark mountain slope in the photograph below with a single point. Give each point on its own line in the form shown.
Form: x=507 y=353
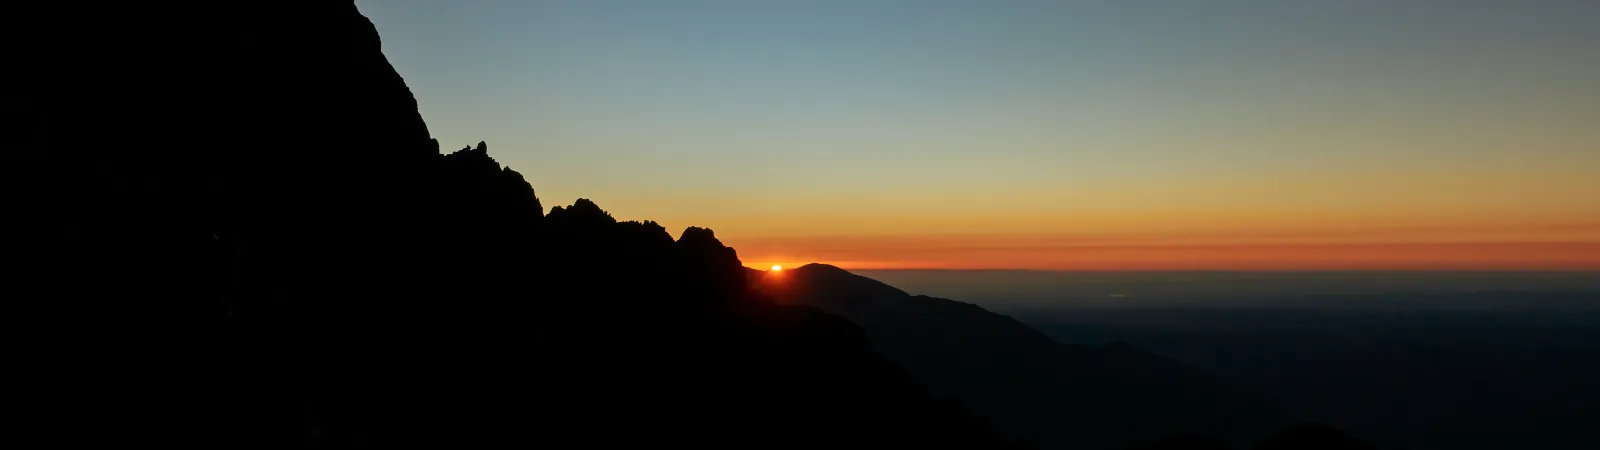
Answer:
x=233 y=230
x=1054 y=395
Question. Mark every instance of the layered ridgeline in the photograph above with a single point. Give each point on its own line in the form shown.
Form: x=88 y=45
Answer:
x=1045 y=393
x=232 y=229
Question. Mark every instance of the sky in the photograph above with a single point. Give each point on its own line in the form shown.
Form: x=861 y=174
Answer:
x=1095 y=135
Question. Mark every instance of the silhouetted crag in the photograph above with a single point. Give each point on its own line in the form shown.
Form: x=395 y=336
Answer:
x=233 y=230
x=1045 y=393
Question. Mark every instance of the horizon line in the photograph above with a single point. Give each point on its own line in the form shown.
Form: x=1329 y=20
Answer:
x=1564 y=270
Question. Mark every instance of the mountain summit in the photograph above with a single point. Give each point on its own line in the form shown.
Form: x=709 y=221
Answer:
x=240 y=234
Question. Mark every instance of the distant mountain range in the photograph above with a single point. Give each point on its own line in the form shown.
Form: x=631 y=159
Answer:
x=1047 y=394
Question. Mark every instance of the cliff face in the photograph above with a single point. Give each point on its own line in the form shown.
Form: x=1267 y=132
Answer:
x=205 y=197
x=236 y=232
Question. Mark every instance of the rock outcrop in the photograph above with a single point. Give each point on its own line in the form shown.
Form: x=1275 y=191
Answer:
x=234 y=230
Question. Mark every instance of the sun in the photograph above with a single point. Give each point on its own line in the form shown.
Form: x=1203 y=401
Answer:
x=777 y=268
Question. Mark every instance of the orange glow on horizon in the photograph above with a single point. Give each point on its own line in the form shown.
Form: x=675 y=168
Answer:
x=1282 y=253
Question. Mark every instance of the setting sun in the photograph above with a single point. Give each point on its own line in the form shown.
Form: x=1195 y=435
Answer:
x=776 y=268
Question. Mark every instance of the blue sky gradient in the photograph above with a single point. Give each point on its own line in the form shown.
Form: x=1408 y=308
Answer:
x=787 y=118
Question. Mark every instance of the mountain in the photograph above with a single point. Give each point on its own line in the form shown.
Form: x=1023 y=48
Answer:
x=231 y=228
x=1028 y=385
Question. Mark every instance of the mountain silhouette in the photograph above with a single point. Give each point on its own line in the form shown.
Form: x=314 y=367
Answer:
x=232 y=229
x=1045 y=393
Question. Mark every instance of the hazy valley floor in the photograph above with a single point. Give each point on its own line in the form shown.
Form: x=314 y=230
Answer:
x=1404 y=360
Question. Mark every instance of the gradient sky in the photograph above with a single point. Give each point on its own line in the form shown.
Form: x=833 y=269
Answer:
x=1219 y=134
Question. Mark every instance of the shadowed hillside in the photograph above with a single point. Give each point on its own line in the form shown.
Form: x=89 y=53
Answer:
x=1030 y=386
x=233 y=230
